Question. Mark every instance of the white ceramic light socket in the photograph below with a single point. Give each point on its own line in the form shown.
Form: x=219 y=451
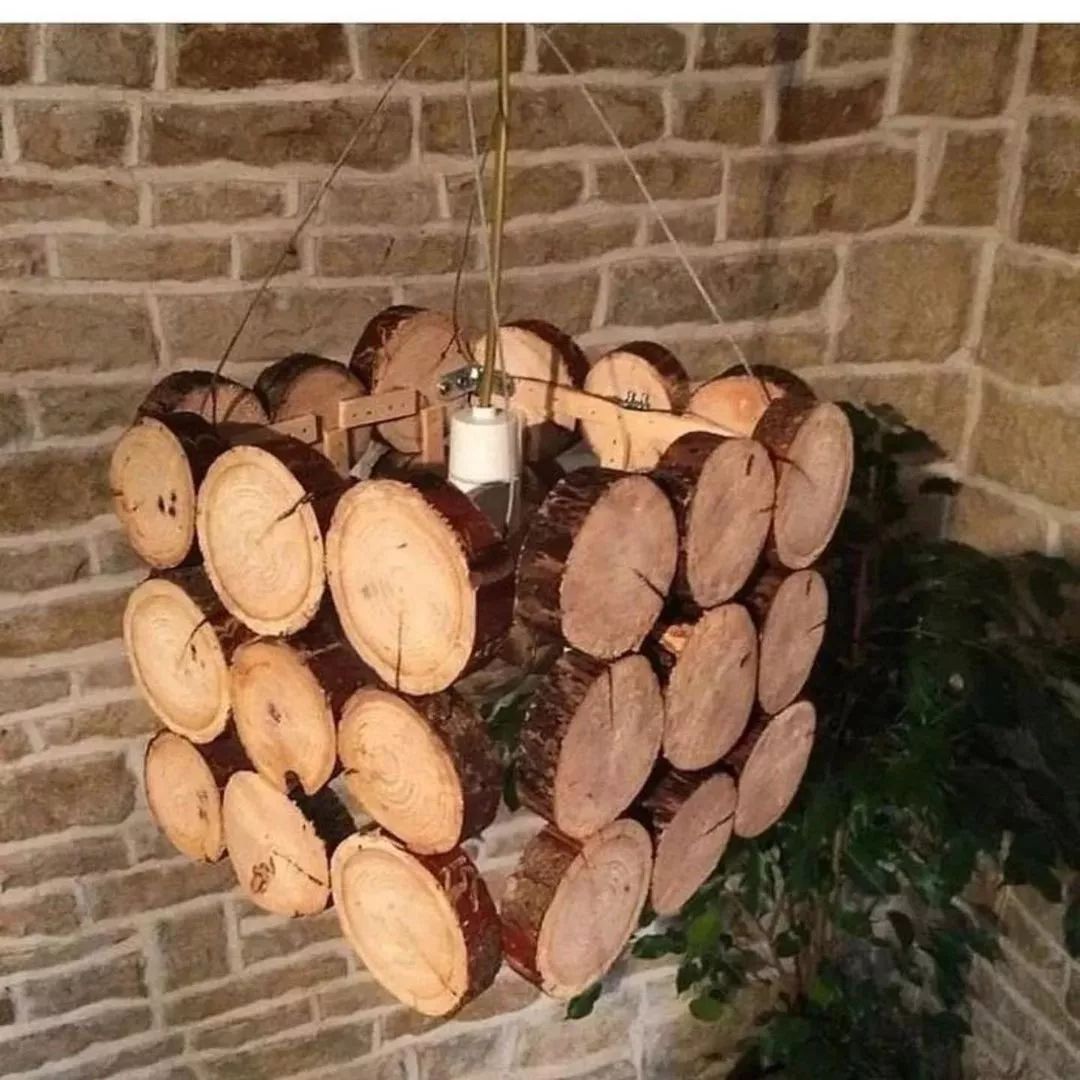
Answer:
x=485 y=447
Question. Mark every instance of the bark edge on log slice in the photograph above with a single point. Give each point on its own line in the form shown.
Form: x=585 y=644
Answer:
x=423 y=925
x=218 y=401
x=569 y=908
x=737 y=400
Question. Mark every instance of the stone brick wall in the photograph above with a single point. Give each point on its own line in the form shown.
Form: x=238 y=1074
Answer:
x=893 y=211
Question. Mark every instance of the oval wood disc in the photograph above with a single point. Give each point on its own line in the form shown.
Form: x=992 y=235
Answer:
x=723 y=492
x=569 y=908
x=423 y=925
x=711 y=685
x=177 y=659
x=154 y=473
x=770 y=763
x=184 y=797
x=692 y=816
x=589 y=741
x=638 y=375
x=792 y=629
x=407 y=348
x=421 y=581
x=737 y=400
x=221 y=401
x=812 y=445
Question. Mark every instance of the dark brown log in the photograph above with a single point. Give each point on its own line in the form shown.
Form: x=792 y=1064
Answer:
x=183 y=786
x=812 y=447
x=690 y=816
x=737 y=400
x=597 y=561
x=768 y=764
x=154 y=475
x=425 y=769
x=280 y=847
x=589 y=740
x=790 y=611
x=421 y=581
x=179 y=640
x=722 y=491
x=710 y=672
x=423 y=925
x=263 y=510
x=217 y=400
x=569 y=908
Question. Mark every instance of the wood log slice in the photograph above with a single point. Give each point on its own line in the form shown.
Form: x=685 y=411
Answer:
x=262 y=512
x=218 y=401
x=421 y=581
x=288 y=696
x=790 y=611
x=589 y=740
x=812 y=446
x=303 y=384
x=154 y=474
x=722 y=491
x=280 y=847
x=423 y=925
x=597 y=561
x=425 y=769
x=711 y=669
x=183 y=790
x=737 y=400
x=407 y=348
x=768 y=764
x=179 y=640
x=638 y=375
x=569 y=908
x=533 y=349
x=691 y=817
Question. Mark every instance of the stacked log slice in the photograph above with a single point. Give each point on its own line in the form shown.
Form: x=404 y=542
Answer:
x=303 y=385
x=406 y=348
x=538 y=351
x=425 y=769
x=280 y=847
x=183 y=790
x=262 y=510
x=420 y=579
x=598 y=560
x=812 y=445
x=154 y=473
x=423 y=925
x=722 y=491
x=712 y=676
x=179 y=639
x=638 y=375
x=218 y=400
x=768 y=763
x=737 y=399
x=590 y=738
x=570 y=908
x=791 y=611
x=691 y=817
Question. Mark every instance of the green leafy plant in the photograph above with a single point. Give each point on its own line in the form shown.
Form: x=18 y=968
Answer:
x=948 y=740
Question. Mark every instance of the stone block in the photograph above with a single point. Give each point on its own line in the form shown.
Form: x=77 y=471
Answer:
x=89 y=410
x=14 y=427
x=719 y=114
x=82 y=200
x=117 y=720
x=386 y=46
x=143 y=258
x=968 y=184
x=284 y=937
x=530 y=189
x=51 y=914
x=29 y=483
x=28 y=569
x=14 y=742
x=391 y=254
x=959 y=70
x=193 y=946
x=849 y=190
x=994 y=525
x=667 y=176
x=58 y=1042
x=154 y=1052
x=1055 y=69
x=259 y=254
x=842 y=43
x=42 y=953
x=206 y=200
x=908 y=299
x=811 y=111
x=466 y=1053
x=109 y=674
x=120 y=977
x=1032 y=321
x=638 y=46
x=106 y=54
x=224 y=57
x=1050 y=196
x=691 y=225
x=236 y=1033
x=751 y=44
x=22 y=256
x=361 y=995
x=15 y=53
x=33 y=866
x=315 y=1050
x=394 y=203
x=63 y=134
x=567 y=241
x=563 y=1041
x=61 y=625
x=147 y=888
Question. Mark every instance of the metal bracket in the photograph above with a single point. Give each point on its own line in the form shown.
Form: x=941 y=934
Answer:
x=466 y=380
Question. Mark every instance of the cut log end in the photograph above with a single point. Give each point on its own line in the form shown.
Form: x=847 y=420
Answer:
x=217 y=400
x=773 y=769
x=569 y=909
x=711 y=687
x=424 y=926
x=737 y=400
x=791 y=635
x=283 y=716
x=177 y=659
x=281 y=861
x=183 y=797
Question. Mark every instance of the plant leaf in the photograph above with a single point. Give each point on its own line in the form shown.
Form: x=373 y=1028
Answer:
x=582 y=1005
x=708 y=1008
x=704 y=932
